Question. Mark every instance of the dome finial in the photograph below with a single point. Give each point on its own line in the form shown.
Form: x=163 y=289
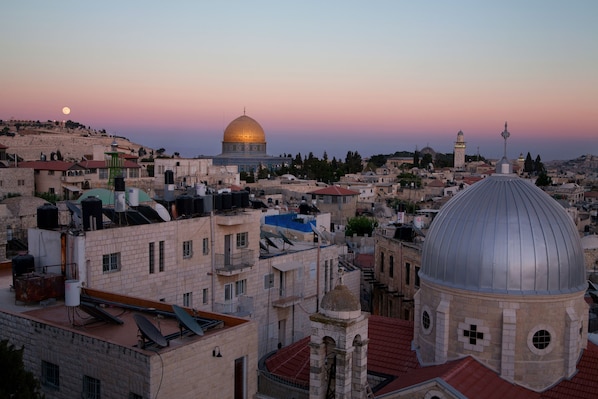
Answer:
x=505 y=134
x=243 y=110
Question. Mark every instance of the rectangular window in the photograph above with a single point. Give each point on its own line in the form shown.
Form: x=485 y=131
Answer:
x=50 y=375
x=188 y=299
x=51 y=190
x=391 y=266
x=91 y=388
x=187 y=249
x=103 y=173
x=21 y=182
x=417 y=276
x=240 y=287
x=407 y=273
x=133 y=173
x=381 y=262
x=228 y=292
x=111 y=262
x=133 y=395
x=50 y=173
x=205 y=246
x=268 y=281
x=242 y=240
x=161 y=256
x=152 y=257
x=325 y=276
x=204 y=296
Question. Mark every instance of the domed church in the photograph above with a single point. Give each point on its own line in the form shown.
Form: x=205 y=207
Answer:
x=244 y=145
x=503 y=280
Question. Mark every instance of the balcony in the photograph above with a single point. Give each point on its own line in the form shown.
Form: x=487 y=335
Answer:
x=289 y=296
x=235 y=263
x=242 y=306
x=232 y=218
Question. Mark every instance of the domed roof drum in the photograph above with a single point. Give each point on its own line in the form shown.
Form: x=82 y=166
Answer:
x=244 y=130
x=340 y=303
x=504 y=235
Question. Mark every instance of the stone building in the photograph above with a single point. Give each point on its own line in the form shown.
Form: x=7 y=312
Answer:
x=459 y=154
x=340 y=202
x=103 y=350
x=396 y=272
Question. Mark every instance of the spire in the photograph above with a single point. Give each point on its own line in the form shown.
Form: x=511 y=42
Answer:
x=504 y=166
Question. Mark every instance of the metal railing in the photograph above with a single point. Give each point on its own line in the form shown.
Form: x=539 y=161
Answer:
x=236 y=261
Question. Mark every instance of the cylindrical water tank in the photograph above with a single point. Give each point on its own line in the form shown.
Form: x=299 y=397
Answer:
x=244 y=199
x=72 y=293
x=200 y=189
x=47 y=217
x=169 y=177
x=198 y=205
x=119 y=184
x=227 y=201
x=208 y=203
x=133 y=196
x=217 y=202
x=91 y=208
x=237 y=198
x=184 y=205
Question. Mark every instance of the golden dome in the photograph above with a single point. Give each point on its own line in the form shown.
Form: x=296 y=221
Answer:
x=244 y=130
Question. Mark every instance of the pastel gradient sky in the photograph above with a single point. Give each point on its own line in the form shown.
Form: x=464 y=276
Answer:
x=335 y=76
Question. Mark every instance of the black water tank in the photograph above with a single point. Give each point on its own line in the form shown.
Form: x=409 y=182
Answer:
x=91 y=208
x=237 y=202
x=119 y=184
x=217 y=202
x=227 y=201
x=47 y=217
x=169 y=177
x=22 y=264
x=244 y=199
x=184 y=205
x=198 y=205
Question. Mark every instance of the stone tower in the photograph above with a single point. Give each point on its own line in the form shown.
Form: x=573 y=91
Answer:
x=338 y=347
x=459 y=155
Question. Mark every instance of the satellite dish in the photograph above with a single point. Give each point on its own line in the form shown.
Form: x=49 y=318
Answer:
x=284 y=238
x=149 y=331
x=186 y=320
x=163 y=212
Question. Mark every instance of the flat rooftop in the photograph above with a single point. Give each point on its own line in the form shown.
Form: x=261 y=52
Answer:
x=111 y=317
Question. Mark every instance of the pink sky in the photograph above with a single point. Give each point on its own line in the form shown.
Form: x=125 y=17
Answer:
x=387 y=77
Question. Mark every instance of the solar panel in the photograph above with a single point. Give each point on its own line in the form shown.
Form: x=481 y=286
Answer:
x=186 y=320
x=99 y=313
x=149 y=331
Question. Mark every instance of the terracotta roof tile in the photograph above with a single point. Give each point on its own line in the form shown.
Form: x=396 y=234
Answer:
x=334 y=190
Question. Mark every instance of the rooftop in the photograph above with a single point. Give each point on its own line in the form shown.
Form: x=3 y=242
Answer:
x=111 y=317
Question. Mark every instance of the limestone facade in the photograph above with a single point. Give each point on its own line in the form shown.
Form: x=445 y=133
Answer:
x=533 y=341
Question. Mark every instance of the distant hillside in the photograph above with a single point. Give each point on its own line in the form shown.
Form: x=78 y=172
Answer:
x=30 y=141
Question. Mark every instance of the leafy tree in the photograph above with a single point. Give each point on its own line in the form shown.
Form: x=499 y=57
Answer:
x=543 y=180
x=416 y=159
x=426 y=161
x=378 y=160
x=51 y=198
x=538 y=165
x=528 y=164
x=407 y=178
x=360 y=225
x=16 y=382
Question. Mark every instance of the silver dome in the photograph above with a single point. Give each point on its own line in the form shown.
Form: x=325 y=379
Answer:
x=504 y=235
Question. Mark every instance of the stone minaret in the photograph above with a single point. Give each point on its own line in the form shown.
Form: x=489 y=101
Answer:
x=459 y=155
x=338 y=360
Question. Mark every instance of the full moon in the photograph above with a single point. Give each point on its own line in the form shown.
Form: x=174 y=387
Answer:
x=66 y=110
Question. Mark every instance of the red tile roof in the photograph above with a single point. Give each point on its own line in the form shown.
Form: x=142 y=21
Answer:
x=102 y=164
x=584 y=384
x=47 y=165
x=334 y=190
x=389 y=352
x=292 y=362
x=365 y=261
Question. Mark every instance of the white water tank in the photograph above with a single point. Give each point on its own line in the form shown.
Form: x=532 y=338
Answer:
x=72 y=293
x=133 y=196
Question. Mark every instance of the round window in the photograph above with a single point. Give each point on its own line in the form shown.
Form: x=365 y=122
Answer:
x=541 y=339
x=426 y=320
